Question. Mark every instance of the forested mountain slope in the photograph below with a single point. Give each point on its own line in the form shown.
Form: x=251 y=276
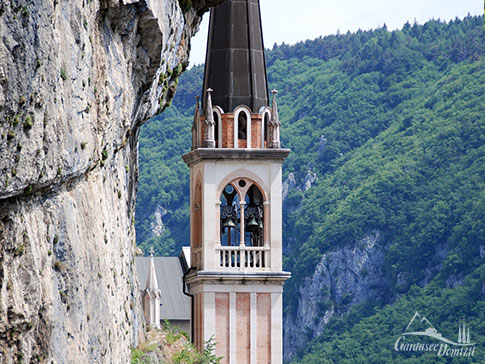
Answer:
x=384 y=188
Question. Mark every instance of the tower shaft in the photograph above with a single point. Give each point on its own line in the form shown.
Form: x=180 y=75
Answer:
x=236 y=276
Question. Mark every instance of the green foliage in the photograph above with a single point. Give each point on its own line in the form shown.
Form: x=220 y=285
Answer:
x=185 y=5
x=189 y=355
x=186 y=354
x=178 y=70
x=418 y=184
x=172 y=334
x=139 y=357
x=20 y=250
x=63 y=73
x=28 y=122
x=396 y=52
x=209 y=356
x=16 y=120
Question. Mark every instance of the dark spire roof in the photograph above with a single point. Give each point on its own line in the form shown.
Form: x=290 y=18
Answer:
x=235 y=67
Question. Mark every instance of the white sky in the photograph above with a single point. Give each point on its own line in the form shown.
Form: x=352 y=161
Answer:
x=291 y=21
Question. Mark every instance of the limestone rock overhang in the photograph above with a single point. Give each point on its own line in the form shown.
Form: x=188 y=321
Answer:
x=219 y=154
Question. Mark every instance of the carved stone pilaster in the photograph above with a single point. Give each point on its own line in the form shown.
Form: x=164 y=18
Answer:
x=274 y=124
x=209 y=123
x=196 y=126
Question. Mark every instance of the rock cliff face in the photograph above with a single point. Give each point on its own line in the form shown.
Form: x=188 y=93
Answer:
x=77 y=80
x=157 y=226
x=342 y=278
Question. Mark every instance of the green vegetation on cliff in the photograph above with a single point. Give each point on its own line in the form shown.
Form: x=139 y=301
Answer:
x=393 y=126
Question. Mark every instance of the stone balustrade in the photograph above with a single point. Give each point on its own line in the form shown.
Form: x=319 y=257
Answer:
x=243 y=257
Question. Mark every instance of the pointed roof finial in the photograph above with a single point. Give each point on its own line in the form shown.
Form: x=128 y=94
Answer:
x=274 y=123
x=274 y=108
x=151 y=285
x=196 y=125
x=209 y=116
x=209 y=141
x=196 y=113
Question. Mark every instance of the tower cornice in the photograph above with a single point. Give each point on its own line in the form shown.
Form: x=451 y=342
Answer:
x=235 y=154
x=239 y=277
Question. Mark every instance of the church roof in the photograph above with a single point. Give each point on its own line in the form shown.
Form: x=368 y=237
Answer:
x=235 y=66
x=174 y=304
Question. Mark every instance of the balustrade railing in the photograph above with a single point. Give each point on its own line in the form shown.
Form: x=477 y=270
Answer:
x=243 y=257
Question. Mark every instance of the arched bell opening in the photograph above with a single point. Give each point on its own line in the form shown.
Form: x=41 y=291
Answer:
x=230 y=216
x=242 y=126
x=254 y=217
x=217 y=122
x=242 y=225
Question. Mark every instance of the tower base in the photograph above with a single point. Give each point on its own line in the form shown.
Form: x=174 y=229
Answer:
x=242 y=312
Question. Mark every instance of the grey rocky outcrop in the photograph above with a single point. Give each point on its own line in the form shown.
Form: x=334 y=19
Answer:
x=344 y=277
x=290 y=182
x=310 y=178
x=77 y=80
x=157 y=226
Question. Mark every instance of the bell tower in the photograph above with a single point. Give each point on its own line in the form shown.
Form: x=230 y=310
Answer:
x=236 y=276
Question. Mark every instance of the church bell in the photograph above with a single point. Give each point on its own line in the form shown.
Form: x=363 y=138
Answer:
x=252 y=224
x=228 y=222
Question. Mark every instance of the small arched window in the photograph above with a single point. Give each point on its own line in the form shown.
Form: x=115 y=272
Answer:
x=242 y=126
x=218 y=119
x=217 y=122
